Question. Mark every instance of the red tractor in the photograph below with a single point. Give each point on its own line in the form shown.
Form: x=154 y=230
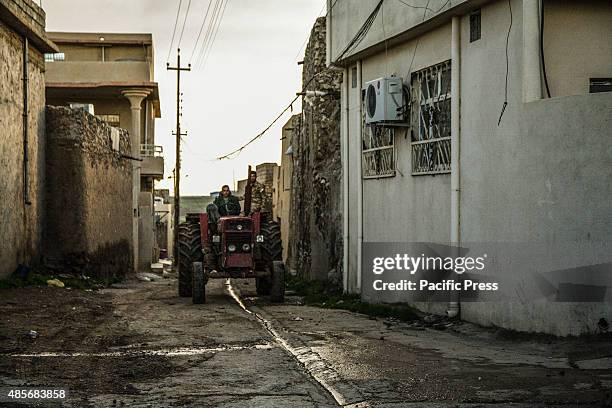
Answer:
x=230 y=247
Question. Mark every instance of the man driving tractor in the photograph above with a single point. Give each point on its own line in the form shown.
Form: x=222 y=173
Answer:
x=226 y=203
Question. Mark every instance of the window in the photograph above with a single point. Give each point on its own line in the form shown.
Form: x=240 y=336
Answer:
x=354 y=77
x=111 y=120
x=378 y=153
x=431 y=120
x=475 y=26
x=58 y=56
x=597 y=85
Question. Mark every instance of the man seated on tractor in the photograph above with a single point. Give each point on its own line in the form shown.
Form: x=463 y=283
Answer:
x=226 y=203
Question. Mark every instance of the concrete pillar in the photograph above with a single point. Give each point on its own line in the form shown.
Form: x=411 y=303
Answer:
x=532 y=80
x=135 y=96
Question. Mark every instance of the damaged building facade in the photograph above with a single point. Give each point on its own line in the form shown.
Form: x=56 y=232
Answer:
x=315 y=231
x=23 y=43
x=504 y=140
x=88 y=229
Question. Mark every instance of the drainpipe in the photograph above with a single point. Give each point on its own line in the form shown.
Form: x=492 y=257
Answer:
x=455 y=232
x=26 y=92
x=532 y=81
x=359 y=184
x=345 y=181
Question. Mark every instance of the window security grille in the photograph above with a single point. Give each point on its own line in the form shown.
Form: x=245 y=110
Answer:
x=431 y=120
x=378 y=152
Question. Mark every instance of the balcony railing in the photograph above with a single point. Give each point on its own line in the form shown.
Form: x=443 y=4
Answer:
x=149 y=150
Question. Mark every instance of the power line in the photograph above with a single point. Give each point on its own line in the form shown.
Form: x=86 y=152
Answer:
x=207 y=35
x=214 y=37
x=362 y=32
x=416 y=7
x=195 y=46
x=174 y=30
x=260 y=134
x=184 y=24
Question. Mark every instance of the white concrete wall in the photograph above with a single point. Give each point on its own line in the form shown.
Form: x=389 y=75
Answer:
x=562 y=157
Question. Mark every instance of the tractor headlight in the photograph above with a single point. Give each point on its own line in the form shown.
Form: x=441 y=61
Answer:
x=260 y=238
x=231 y=248
x=216 y=238
x=246 y=247
x=239 y=227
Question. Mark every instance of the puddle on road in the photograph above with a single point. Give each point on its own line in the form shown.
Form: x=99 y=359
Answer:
x=168 y=352
x=314 y=364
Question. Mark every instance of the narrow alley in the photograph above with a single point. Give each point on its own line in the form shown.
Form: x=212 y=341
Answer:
x=137 y=344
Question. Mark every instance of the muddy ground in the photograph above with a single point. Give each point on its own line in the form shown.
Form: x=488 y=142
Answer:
x=138 y=344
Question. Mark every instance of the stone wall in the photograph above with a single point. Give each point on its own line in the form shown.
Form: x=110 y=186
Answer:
x=316 y=202
x=21 y=223
x=89 y=190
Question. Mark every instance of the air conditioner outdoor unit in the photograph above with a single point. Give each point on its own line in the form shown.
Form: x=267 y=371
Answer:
x=384 y=101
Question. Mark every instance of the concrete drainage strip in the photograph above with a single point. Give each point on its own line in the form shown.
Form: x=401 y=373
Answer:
x=314 y=365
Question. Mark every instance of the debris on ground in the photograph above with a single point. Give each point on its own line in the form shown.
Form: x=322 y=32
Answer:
x=55 y=282
x=147 y=277
x=32 y=334
x=297 y=319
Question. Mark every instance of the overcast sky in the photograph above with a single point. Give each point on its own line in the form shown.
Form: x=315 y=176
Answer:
x=250 y=77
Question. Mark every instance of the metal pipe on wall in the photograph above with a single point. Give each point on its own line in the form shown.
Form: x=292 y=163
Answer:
x=345 y=179
x=455 y=214
x=359 y=181
x=26 y=92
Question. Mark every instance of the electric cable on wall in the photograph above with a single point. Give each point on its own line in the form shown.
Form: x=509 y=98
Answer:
x=505 y=105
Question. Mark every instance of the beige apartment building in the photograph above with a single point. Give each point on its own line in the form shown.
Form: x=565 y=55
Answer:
x=112 y=77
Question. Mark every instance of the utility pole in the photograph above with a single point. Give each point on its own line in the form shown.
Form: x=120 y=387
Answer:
x=177 y=168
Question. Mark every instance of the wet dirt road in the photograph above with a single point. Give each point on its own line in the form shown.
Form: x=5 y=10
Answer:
x=140 y=345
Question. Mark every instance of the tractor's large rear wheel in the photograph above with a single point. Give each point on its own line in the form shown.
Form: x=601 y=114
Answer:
x=272 y=254
x=190 y=251
x=272 y=247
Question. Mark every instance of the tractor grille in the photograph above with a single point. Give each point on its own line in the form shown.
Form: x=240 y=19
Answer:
x=238 y=238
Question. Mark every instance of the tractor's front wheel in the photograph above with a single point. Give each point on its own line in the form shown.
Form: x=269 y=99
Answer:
x=198 y=293
x=277 y=282
x=190 y=251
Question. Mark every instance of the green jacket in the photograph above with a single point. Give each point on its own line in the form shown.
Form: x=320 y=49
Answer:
x=227 y=206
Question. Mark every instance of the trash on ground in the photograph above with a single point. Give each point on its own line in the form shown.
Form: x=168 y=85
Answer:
x=32 y=334
x=55 y=282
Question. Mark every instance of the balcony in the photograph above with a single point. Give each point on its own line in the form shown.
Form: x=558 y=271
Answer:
x=152 y=161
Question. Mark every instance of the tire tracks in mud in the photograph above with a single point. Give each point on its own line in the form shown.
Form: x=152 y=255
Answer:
x=314 y=365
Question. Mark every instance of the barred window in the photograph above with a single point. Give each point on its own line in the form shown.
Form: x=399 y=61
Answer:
x=378 y=153
x=431 y=120
x=56 y=56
